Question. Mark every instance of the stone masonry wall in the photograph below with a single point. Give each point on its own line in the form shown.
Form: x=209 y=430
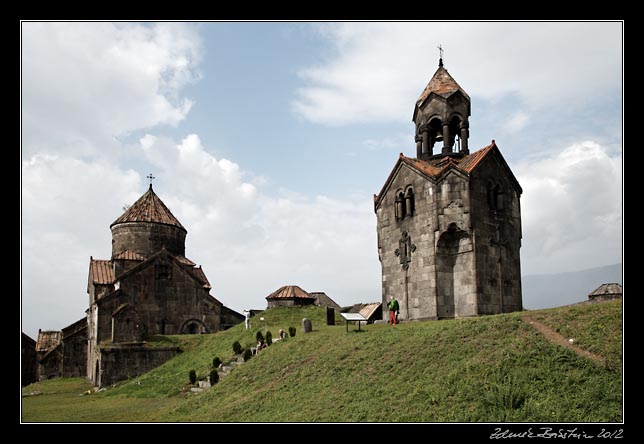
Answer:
x=147 y=238
x=416 y=297
x=118 y=364
x=498 y=240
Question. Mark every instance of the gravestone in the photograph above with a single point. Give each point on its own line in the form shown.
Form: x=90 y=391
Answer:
x=330 y=316
x=307 y=327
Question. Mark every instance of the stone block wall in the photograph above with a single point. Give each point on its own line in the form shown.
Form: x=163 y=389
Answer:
x=120 y=363
x=147 y=239
x=498 y=240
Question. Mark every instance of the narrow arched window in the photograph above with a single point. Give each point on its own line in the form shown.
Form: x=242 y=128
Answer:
x=498 y=197
x=400 y=206
x=410 y=205
x=491 y=196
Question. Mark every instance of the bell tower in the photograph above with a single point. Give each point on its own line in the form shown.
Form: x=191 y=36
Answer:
x=441 y=114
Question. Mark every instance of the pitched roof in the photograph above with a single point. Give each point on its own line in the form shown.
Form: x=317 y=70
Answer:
x=101 y=272
x=149 y=208
x=289 y=292
x=323 y=300
x=367 y=310
x=438 y=165
x=75 y=327
x=129 y=255
x=48 y=340
x=26 y=337
x=441 y=83
x=184 y=260
x=606 y=289
x=199 y=275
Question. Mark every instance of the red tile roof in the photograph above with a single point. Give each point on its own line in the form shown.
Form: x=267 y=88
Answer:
x=441 y=83
x=101 y=272
x=436 y=166
x=129 y=255
x=149 y=208
x=48 y=340
x=289 y=292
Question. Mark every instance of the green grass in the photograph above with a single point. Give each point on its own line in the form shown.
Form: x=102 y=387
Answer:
x=62 y=400
x=492 y=369
x=594 y=327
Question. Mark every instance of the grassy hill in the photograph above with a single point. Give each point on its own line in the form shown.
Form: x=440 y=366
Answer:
x=492 y=369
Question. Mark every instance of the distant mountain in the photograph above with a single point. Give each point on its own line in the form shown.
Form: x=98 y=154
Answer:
x=554 y=290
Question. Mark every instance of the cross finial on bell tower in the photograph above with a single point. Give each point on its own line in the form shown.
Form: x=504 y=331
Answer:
x=440 y=60
x=150 y=178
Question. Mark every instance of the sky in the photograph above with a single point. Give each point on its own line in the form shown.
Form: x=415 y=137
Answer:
x=268 y=140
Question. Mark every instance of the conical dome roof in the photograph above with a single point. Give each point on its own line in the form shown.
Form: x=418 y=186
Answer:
x=441 y=83
x=149 y=208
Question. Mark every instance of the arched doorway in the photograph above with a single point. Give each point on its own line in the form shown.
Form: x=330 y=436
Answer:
x=193 y=327
x=456 y=289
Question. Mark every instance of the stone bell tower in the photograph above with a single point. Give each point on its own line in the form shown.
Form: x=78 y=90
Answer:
x=449 y=221
x=441 y=115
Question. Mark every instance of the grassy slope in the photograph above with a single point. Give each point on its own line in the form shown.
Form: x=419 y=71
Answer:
x=594 y=327
x=493 y=368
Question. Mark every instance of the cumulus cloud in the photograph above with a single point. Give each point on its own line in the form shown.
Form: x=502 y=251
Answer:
x=571 y=209
x=249 y=243
x=84 y=84
x=377 y=70
x=67 y=207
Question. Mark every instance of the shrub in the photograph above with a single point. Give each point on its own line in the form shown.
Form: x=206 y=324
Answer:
x=216 y=362
x=269 y=338
x=193 y=377
x=291 y=332
x=247 y=354
x=237 y=348
x=214 y=377
x=259 y=336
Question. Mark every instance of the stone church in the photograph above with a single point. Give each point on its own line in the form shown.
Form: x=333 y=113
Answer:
x=449 y=220
x=148 y=287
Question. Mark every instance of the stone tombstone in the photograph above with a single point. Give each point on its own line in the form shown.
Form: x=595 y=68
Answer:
x=307 y=327
x=330 y=316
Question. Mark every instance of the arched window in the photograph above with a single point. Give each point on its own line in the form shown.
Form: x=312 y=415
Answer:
x=409 y=202
x=495 y=196
x=400 y=209
x=498 y=194
x=491 y=197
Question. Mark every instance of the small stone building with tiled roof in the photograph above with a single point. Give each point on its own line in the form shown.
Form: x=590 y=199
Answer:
x=49 y=354
x=605 y=292
x=289 y=296
x=449 y=220
x=147 y=287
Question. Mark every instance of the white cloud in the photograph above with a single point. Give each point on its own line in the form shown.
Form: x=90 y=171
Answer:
x=67 y=207
x=571 y=210
x=248 y=243
x=378 y=70
x=84 y=84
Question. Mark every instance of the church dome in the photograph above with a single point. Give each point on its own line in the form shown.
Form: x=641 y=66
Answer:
x=146 y=227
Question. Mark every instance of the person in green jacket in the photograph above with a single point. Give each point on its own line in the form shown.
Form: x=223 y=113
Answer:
x=393 y=310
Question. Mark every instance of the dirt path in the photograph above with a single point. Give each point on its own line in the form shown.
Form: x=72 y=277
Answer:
x=558 y=339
